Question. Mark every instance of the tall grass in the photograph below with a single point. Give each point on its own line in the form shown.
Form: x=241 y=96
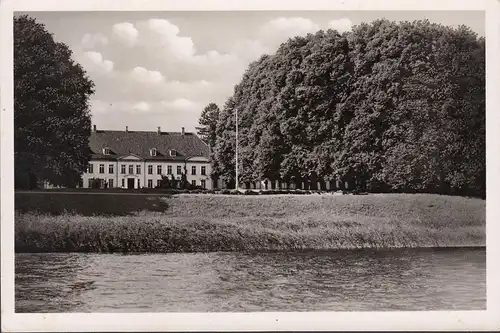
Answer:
x=191 y=223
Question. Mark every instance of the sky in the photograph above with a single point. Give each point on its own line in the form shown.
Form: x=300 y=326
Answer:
x=160 y=69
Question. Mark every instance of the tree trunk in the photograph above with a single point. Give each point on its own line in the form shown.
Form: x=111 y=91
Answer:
x=32 y=181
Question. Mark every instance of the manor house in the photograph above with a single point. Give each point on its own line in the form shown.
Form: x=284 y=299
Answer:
x=136 y=159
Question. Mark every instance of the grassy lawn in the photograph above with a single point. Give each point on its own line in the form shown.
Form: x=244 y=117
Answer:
x=192 y=223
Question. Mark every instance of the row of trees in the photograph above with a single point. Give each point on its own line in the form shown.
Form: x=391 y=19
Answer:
x=386 y=107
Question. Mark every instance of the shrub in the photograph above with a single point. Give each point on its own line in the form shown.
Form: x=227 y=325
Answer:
x=250 y=192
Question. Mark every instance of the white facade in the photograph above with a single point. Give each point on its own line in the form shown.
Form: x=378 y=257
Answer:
x=133 y=172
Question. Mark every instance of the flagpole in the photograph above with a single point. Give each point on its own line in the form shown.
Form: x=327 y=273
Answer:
x=236 y=166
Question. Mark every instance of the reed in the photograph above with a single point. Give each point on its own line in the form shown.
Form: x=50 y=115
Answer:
x=203 y=223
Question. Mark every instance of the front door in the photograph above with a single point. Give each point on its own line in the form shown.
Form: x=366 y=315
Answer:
x=130 y=183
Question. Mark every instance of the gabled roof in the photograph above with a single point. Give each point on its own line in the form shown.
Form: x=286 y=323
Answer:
x=123 y=143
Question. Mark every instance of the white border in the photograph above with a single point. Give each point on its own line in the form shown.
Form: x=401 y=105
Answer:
x=312 y=321
x=232 y=5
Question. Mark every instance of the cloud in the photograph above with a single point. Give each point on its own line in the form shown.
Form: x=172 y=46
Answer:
x=117 y=109
x=126 y=33
x=201 y=91
x=139 y=107
x=111 y=108
x=341 y=25
x=160 y=44
x=279 y=30
x=93 y=62
x=143 y=75
x=163 y=27
x=99 y=107
x=249 y=50
x=142 y=107
x=180 y=104
x=289 y=26
x=164 y=36
x=212 y=64
x=91 y=41
x=164 y=75
x=169 y=115
x=120 y=86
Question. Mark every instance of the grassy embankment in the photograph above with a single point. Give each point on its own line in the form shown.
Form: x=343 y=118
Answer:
x=193 y=223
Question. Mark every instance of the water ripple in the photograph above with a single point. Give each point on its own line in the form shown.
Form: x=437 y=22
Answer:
x=409 y=280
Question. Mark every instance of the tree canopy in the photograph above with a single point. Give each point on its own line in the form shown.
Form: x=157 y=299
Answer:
x=387 y=107
x=51 y=108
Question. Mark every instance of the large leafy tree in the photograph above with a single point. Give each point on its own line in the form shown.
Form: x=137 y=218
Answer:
x=387 y=106
x=223 y=156
x=51 y=108
x=434 y=140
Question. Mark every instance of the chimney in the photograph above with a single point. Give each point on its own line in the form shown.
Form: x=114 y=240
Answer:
x=159 y=130
x=126 y=128
x=182 y=132
x=95 y=128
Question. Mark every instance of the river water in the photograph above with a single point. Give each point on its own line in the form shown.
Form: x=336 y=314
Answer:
x=410 y=280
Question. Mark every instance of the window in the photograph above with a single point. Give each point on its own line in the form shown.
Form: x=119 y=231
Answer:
x=91 y=168
x=150 y=183
x=150 y=169
x=138 y=169
x=158 y=183
x=173 y=153
x=193 y=182
x=193 y=170
x=101 y=168
x=203 y=183
x=123 y=167
x=131 y=169
x=138 y=183
x=203 y=170
x=110 y=183
x=123 y=181
x=153 y=152
x=111 y=168
x=179 y=170
x=169 y=169
x=158 y=169
x=106 y=151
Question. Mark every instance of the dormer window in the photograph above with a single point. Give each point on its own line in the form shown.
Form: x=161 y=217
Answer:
x=173 y=152
x=106 y=151
x=152 y=152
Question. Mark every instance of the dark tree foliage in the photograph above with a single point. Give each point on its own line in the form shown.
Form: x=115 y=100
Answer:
x=386 y=107
x=167 y=182
x=51 y=109
x=208 y=124
x=223 y=156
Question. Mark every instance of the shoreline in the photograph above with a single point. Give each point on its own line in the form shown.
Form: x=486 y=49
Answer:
x=222 y=223
x=315 y=251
